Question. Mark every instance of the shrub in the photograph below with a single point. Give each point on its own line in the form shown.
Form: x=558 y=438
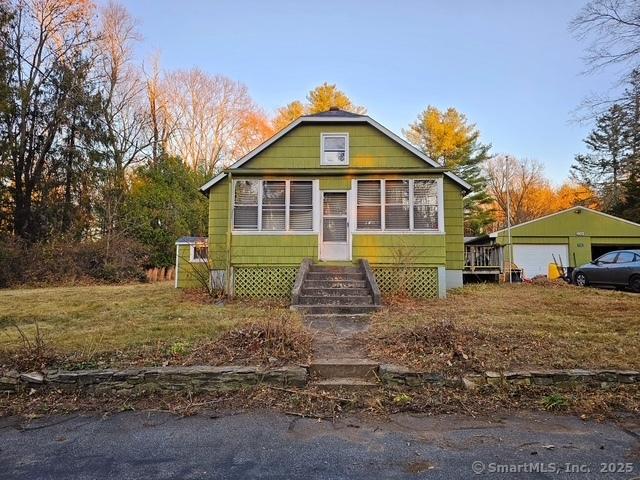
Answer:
x=62 y=262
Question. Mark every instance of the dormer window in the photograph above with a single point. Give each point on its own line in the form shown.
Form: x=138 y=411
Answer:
x=334 y=149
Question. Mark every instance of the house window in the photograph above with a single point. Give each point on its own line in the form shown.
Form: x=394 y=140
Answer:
x=199 y=253
x=369 y=207
x=301 y=206
x=389 y=205
x=273 y=205
x=396 y=205
x=245 y=205
x=425 y=205
x=334 y=149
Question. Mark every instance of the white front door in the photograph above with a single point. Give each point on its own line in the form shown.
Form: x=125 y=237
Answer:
x=335 y=237
x=535 y=259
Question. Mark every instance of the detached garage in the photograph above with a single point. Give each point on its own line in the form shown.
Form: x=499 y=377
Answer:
x=574 y=237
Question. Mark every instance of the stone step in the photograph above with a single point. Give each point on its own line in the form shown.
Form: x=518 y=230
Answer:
x=344 y=383
x=334 y=276
x=335 y=300
x=344 y=368
x=336 y=292
x=334 y=269
x=333 y=318
x=336 y=309
x=313 y=283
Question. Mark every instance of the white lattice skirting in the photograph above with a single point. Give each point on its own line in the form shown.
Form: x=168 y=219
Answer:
x=421 y=282
x=263 y=282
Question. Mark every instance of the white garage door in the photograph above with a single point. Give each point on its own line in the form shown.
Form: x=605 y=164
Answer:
x=535 y=259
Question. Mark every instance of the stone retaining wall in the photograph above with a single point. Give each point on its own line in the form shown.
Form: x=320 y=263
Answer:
x=195 y=379
x=397 y=375
x=209 y=379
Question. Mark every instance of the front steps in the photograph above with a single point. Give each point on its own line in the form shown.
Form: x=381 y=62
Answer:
x=335 y=290
x=336 y=303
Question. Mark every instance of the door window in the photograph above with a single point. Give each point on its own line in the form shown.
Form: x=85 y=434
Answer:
x=334 y=222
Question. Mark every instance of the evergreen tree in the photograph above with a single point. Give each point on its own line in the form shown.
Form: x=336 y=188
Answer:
x=163 y=204
x=449 y=139
x=604 y=167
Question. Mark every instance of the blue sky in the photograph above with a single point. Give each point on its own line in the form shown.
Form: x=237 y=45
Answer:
x=511 y=66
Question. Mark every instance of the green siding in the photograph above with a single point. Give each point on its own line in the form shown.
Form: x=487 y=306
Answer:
x=335 y=183
x=400 y=249
x=273 y=249
x=185 y=270
x=218 y=223
x=570 y=223
x=454 y=224
x=580 y=231
x=299 y=150
x=368 y=148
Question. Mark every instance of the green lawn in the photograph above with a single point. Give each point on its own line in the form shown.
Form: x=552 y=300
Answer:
x=96 y=319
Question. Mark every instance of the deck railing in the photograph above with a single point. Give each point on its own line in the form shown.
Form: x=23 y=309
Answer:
x=482 y=257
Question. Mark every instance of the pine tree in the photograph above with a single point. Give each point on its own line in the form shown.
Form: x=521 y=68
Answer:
x=449 y=139
x=604 y=167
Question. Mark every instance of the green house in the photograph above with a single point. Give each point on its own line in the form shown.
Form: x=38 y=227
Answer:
x=571 y=237
x=335 y=188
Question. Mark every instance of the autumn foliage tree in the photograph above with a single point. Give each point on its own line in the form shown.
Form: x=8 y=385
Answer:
x=320 y=99
x=448 y=138
x=522 y=185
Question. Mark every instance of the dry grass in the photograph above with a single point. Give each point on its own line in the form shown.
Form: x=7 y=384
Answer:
x=97 y=326
x=502 y=327
x=588 y=402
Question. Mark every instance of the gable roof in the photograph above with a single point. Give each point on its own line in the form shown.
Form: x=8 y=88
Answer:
x=334 y=116
x=561 y=212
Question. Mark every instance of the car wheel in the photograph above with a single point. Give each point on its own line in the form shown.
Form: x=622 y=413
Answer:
x=581 y=279
x=634 y=284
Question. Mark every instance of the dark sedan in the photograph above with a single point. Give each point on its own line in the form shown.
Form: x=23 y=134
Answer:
x=616 y=269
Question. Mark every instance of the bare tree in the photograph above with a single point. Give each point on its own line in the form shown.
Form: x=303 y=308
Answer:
x=216 y=119
x=614 y=29
x=162 y=124
x=44 y=39
x=125 y=117
x=521 y=181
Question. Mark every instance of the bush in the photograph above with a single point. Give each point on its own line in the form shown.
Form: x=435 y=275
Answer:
x=63 y=262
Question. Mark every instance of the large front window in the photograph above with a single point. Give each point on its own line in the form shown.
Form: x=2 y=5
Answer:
x=273 y=205
x=402 y=205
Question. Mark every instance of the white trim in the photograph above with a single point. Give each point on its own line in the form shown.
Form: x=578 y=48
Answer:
x=287 y=206
x=344 y=135
x=212 y=182
x=274 y=232
x=383 y=231
x=442 y=282
x=175 y=283
x=586 y=209
x=311 y=119
x=349 y=242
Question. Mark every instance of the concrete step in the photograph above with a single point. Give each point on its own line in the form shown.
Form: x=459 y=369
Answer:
x=335 y=276
x=344 y=367
x=313 y=283
x=336 y=292
x=335 y=300
x=344 y=383
x=334 y=269
x=344 y=317
x=336 y=309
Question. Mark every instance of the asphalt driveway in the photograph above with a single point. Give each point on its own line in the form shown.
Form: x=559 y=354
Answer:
x=270 y=445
